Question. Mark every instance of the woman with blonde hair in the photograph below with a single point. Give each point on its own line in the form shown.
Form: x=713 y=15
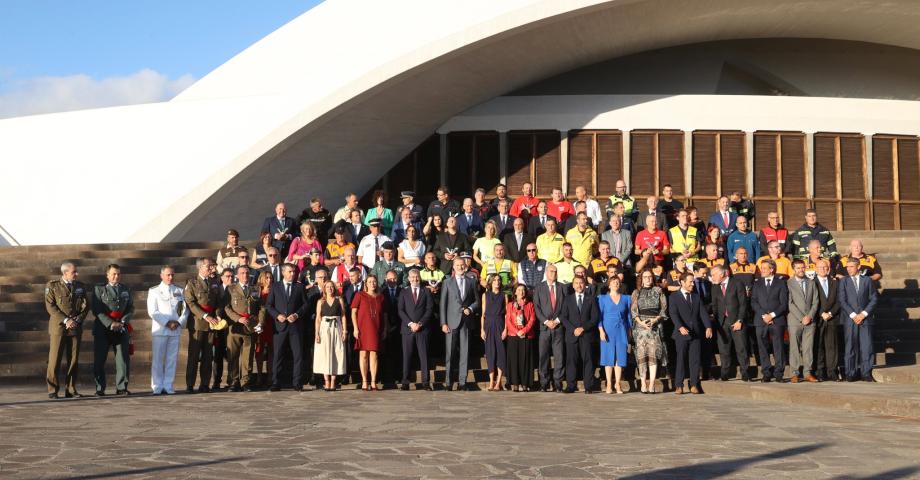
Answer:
x=264 y=339
x=329 y=352
x=299 y=253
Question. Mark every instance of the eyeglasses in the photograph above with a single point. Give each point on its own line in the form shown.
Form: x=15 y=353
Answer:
x=531 y=249
x=272 y=254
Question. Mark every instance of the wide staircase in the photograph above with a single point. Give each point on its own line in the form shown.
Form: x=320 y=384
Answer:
x=24 y=271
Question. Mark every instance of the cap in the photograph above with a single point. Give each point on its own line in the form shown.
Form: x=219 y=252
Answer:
x=375 y=222
x=465 y=255
x=233 y=232
x=315 y=250
x=406 y=193
x=387 y=246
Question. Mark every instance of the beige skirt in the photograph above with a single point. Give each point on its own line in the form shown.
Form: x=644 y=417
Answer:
x=329 y=353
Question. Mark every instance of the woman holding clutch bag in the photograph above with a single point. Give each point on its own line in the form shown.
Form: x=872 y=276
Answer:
x=520 y=318
x=649 y=309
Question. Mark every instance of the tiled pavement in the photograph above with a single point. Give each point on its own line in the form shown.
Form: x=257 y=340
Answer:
x=393 y=434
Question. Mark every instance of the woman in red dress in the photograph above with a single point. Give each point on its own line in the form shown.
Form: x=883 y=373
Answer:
x=370 y=325
x=264 y=342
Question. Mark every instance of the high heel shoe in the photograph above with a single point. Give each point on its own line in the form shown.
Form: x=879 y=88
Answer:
x=374 y=388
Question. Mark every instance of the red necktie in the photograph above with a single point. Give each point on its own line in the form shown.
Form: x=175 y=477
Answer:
x=725 y=219
x=723 y=296
x=552 y=296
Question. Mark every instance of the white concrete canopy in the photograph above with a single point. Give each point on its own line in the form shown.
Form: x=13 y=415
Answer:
x=355 y=84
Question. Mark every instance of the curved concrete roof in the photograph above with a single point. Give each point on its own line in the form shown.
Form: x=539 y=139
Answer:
x=349 y=83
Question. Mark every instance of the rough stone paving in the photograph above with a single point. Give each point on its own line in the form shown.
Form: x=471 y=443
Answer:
x=393 y=434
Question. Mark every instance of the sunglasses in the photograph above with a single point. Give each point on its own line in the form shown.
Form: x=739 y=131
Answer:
x=531 y=249
x=272 y=254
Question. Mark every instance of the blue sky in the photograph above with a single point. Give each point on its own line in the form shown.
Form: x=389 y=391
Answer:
x=80 y=47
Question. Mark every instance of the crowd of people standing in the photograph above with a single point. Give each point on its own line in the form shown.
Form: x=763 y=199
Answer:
x=553 y=285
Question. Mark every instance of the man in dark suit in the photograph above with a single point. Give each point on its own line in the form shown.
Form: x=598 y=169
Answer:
x=459 y=302
x=503 y=221
x=723 y=217
x=770 y=302
x=414 y=307
x=516 y=242
x=857 y=298
x=536 y=225
x=580 y=316
x=353 y=227
x=391 y=363
x=282 y=229
x=287 y=305
x=828 y=309
x=691 y=325
x=469 y=222
x=730 y=321
x=548 y=299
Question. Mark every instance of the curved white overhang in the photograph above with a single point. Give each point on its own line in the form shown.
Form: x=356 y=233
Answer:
x=354 y=84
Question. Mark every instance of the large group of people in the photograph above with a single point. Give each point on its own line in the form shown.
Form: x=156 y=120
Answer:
x=554 y=286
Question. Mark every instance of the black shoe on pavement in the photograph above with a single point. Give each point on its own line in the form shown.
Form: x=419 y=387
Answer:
x=124 y=392
x=274 y=388
x=53 y=396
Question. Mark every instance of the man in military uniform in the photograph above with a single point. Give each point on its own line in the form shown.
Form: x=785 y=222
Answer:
x=812 y=230
x=389 y=262
x=242 y=310
x=113 y=308
x=203 y=297
x=228 y=256
x=67 y=306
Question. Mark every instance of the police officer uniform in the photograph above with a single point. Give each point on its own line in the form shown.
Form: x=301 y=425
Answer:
x=203 y=297
x=64 y=301
x=243 y=303
x=111 y=303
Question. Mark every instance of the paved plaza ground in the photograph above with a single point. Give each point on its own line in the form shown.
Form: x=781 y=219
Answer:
x=394 y=434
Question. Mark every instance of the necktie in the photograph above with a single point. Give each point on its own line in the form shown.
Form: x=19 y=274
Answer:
x=803 y=287
x=519 y=240
x=275 y=273
x=287 y=289
x=725 y=219
x=552 y=296
x=723 y=296
x=616 y=242
x=376 y=245
x=469 y=219
x=579 y=302
x=856 y=283
x=687 y=297
x=824 y=285
x=768 y=282
x=415 y=294
x=69 y=287
x=392 y=292
x=542 y=219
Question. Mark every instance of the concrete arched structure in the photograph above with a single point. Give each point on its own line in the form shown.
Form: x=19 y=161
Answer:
x=349 y=83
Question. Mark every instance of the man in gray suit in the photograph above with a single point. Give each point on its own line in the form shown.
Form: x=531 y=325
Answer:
x=803 y=306
x=548 y=298
x=620 y=240
x=857 y=298
x=459 y=302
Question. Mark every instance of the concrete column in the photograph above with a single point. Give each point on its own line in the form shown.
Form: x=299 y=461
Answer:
x=810 y=165
x=503 y=156
x=564 y=158
x=749 y=162
x=688 y=163
x=626 y=139
x=442 y=137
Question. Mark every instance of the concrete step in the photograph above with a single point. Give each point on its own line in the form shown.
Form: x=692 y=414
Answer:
x=100 y=247
x=902 y=375
x=878 y=399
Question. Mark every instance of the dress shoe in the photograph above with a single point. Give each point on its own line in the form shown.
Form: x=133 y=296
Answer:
x=851 y=379
x=794 y=379
x=544 y=388
x=780 y=380
x=679 y=391
x=204 y=390
x=465 y=387
x=236 y=388
x=404 y=387
x=695 y=391
x=811 y=378
x=247 y=389
x=53 y=396
x=745 y=378
x=569 y=390
x=100 y=393
x=427 y=388
x=298 y=388
x=588 y=392
x=124 y=392
x=73 y=395
x=765 y=379
x=274 y=388
x=190 y=390
x=448 y=387
x=723 y=378
x=869 y=378
x=216 y=387
x=557 y=387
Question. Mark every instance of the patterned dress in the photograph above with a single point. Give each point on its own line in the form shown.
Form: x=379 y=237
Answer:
x=647 y=304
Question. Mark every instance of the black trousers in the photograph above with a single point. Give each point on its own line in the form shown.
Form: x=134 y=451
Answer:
x=220 y=354
x=727 y=338
x=828 y=352
x=520 y=361
x=392 y=358
x=294 y=339
x=779 y=354
x=688 y=352
x=415 y=343
x=102 y=345
x=579 y=349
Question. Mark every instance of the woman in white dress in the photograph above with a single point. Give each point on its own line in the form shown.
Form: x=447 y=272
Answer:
x=329 y=354
x=412 y=249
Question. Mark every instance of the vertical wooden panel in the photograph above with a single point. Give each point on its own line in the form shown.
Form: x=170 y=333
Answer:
x=609 y=162
x=853 y=176
x=793 y=214
x=733 y=168
x=547 y=168
x=825 y=169
x=520 y=157
x=488 y=174
x=908 y=172
x=704 y=164
x=827 y=214
x=854 y=215
x=581 y=161
x=883 y=216
x=765 y=165
x=641 y=164
x=793 y=165
x=910 y=217
x=882 y=173
x=460 y=163
x=671 y=162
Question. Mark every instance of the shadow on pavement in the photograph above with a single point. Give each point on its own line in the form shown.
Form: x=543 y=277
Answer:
x=144 y=471
x=723 y=468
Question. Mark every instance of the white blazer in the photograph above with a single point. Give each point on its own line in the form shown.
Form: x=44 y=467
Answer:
x=162 y=302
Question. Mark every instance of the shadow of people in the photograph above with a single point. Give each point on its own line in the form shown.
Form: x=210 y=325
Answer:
x=724 y=468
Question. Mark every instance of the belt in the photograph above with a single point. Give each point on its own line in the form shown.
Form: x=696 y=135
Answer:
x=330 y=318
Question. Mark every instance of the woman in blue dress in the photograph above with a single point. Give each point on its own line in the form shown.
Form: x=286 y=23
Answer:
x=614 y=327
x=493 y=331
